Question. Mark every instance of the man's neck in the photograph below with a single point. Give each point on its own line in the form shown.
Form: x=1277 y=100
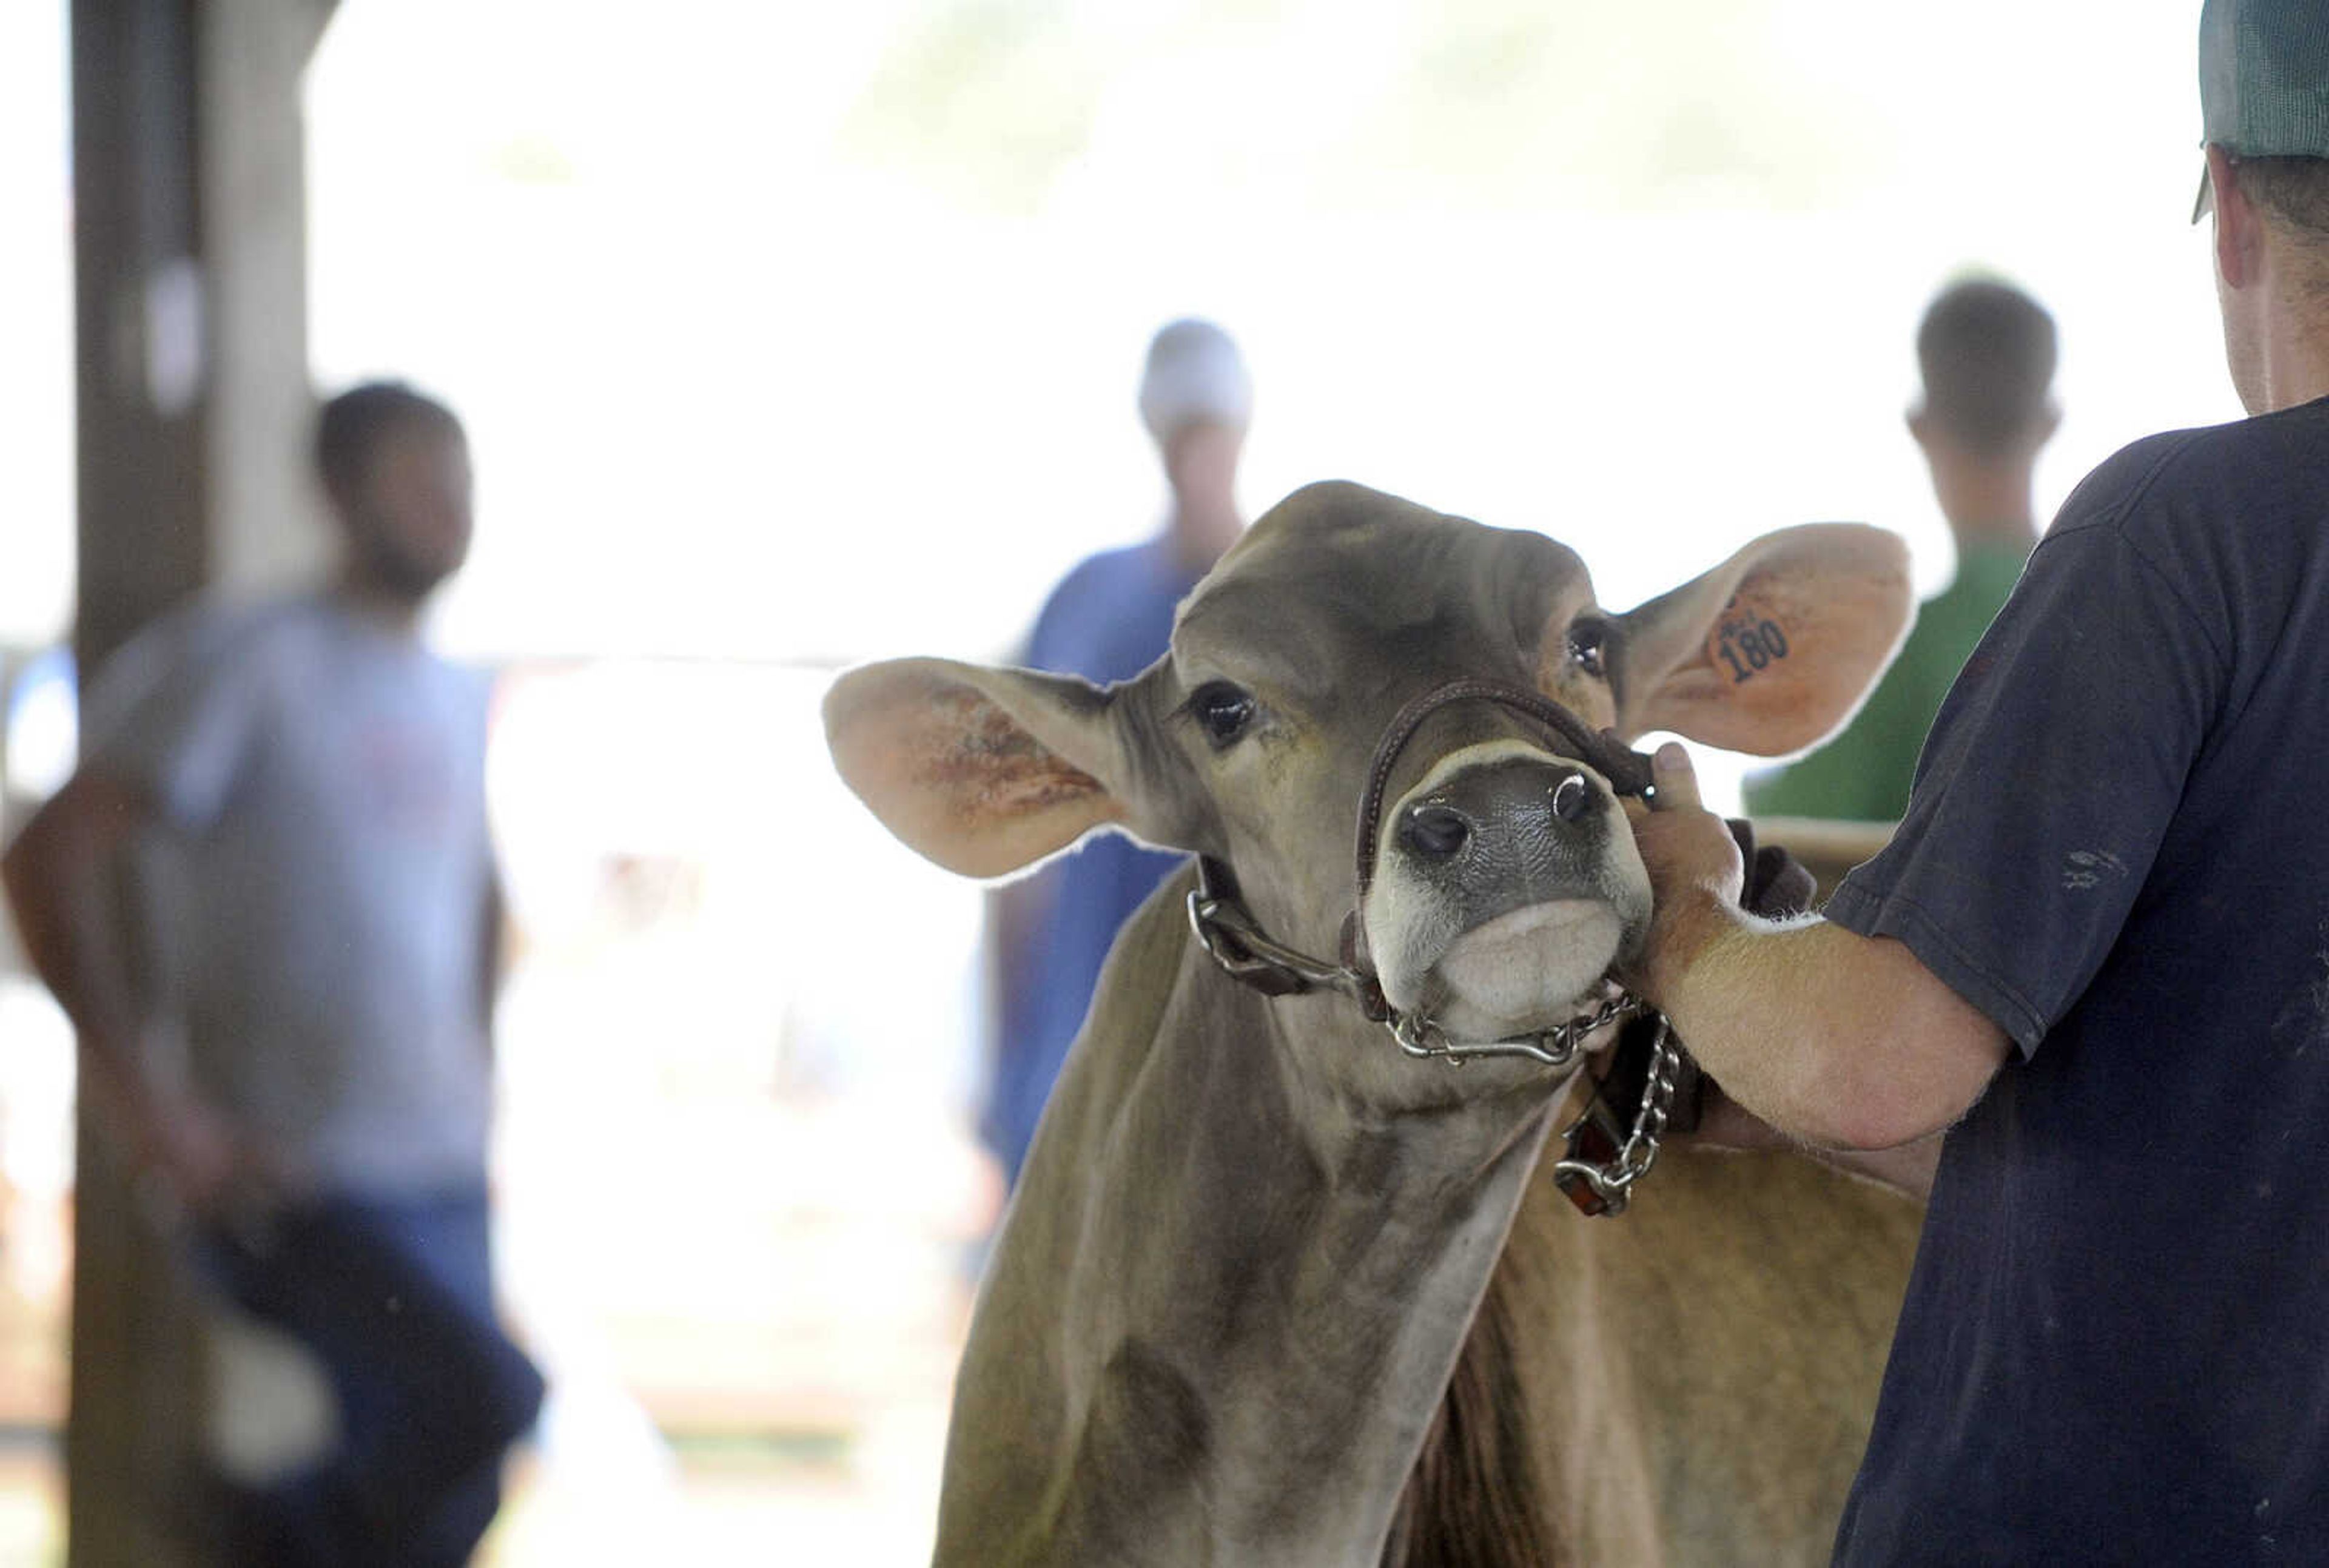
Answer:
x=2295 y=365
x=1203 y=526
x=377 y=605
x=1986 y=502
x=2290 y=329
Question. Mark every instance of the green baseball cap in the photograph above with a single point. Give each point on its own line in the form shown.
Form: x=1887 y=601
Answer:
x=2264 y=80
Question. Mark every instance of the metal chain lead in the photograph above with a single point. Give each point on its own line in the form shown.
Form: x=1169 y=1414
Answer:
x=1235 y=940
x=1553 y=1047
x=1612 y=1180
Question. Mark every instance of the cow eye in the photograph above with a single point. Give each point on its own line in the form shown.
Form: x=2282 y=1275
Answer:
x=1222 y=710
x=1588 y=640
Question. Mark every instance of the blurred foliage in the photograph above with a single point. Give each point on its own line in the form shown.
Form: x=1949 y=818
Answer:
x=532 y=159
x=1523 y=103
x=988 y=101
x=1478 y=104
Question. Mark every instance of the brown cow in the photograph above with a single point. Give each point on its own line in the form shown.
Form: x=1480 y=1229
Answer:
x=1225 y=1315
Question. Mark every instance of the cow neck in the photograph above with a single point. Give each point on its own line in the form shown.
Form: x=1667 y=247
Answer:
x=1265 y=1282
x=1323 y=1284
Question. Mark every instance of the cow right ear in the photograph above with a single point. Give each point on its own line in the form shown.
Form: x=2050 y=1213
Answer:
x=984 y=771
x=1772 y=651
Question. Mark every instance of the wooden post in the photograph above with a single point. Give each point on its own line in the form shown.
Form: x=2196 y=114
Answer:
x=189 y=269
x=134 y=1416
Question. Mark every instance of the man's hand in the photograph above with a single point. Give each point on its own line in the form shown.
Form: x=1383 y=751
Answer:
x=207 y=1167
x=59 y=876
x=1694 y=864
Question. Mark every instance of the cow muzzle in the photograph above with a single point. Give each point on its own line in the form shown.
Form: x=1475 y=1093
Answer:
x=1504 y=886
x=1496 y=890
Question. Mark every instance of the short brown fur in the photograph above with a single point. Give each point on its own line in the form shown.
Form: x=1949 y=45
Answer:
x=1708 y=1363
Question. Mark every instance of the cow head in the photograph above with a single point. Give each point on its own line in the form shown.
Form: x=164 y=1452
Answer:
x=1503 y=882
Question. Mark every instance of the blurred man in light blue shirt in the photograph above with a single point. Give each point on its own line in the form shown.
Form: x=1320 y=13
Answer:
x=288 y=1029
x=1108 y=620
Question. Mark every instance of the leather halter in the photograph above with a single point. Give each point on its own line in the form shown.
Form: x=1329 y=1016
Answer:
x=1237 y=942
x=1250 y=955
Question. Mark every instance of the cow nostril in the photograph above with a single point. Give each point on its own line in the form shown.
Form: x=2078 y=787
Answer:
x=1572 y=797
x=1435 y=831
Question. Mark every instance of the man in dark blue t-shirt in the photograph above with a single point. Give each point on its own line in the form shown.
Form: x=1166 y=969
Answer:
x=1109 y=619
x=2100 y=938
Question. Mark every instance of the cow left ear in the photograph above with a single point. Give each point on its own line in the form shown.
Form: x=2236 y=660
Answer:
x=1772 y=651
x=985 y=771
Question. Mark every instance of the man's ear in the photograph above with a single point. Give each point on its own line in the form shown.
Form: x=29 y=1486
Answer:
x=2239 y=231
x=1773 y=650
x=985 y=771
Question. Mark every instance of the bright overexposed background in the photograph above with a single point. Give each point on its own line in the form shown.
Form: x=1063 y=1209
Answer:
x=811 y=331
x=790 y=336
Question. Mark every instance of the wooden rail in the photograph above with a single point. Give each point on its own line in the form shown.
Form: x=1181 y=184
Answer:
x=1828 y=848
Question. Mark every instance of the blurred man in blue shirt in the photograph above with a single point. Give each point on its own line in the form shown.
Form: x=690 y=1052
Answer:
x=1108 y=620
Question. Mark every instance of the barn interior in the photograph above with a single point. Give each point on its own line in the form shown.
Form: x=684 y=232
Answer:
x=791 y=337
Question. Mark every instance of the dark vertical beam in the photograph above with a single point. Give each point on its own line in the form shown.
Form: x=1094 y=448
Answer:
x=132 y=1435
x=137 y=218
x=190 y=288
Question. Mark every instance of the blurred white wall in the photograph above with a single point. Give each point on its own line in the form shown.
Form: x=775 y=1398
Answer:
x=36 y=329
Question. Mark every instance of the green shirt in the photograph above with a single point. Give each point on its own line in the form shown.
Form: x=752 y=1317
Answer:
x=1862 y=774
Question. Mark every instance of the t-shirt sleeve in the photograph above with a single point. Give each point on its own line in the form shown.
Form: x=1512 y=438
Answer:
x=2048 y=784
x=172 y=716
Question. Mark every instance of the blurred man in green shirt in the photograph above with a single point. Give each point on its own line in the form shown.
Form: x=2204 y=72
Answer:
x=1986 y=351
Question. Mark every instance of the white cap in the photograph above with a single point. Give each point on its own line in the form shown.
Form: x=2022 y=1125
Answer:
x=1194 y=374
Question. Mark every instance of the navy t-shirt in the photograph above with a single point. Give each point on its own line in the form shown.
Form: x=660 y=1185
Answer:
x=2116 y=1344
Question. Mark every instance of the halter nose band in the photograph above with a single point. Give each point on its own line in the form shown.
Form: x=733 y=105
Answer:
x=1627 y=771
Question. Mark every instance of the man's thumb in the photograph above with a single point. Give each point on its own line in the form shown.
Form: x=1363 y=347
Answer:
x=1677 y=784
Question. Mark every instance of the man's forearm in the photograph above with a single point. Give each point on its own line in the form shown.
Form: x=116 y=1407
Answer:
x=59 y=879
x=1726 y=1126
x=1837 y=1040
x=1909 y=1168
x=1842 y=1041
x=63 y=877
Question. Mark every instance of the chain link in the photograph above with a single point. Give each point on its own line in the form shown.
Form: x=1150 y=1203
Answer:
x=1612 y=1180
x=1555 y=1047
